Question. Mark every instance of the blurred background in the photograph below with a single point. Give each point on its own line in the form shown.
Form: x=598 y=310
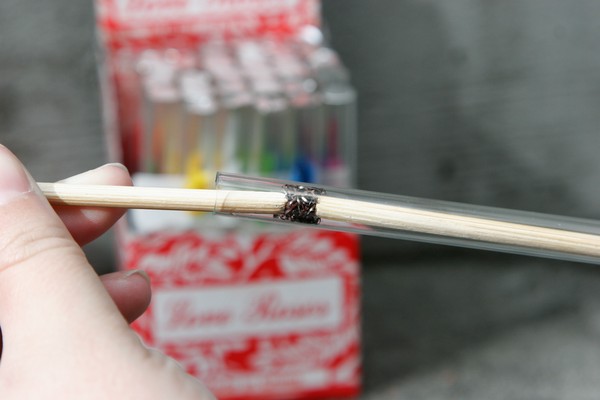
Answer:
x=493 y=103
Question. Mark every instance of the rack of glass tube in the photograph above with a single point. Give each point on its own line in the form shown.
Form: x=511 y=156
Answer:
x=281 y=109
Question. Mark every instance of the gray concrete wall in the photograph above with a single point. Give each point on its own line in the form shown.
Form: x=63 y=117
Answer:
x=489 y=102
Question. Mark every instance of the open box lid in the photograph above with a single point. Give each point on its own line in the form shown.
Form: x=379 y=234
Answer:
x=157 y=23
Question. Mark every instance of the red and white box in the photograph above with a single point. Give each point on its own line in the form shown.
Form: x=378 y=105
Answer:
x=254 y=314
x=258 y=316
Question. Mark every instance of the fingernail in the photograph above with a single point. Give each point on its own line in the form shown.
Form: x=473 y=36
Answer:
x=14 y=180
x=139 y=272
x=83 y=177
x=117 y=165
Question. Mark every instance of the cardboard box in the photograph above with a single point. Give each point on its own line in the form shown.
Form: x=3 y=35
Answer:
x=255 y=313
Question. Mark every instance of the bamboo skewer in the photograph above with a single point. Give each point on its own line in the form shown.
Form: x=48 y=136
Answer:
x=459 y=226
x=136 y=197
x=359 y=216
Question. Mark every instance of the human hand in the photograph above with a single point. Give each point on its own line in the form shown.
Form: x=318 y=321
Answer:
x=64 y=330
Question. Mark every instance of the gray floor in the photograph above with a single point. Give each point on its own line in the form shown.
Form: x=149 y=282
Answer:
x=473 y=327
x=484 y=102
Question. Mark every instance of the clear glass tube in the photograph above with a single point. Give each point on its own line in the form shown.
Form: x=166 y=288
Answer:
x=200 y=148
x=339 y=98
x=308 y=128
x=237 y=102
x=272 y=147
x=403 y=217
x=162 y=138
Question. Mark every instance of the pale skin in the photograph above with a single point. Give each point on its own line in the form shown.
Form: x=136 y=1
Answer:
x=65 y=331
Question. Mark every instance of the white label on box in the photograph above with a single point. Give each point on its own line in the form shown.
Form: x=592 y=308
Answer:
x=251 y=309
x=163 y=9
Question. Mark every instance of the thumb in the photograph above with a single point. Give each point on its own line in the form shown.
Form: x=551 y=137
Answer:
x=48 y=291
x=63 y=335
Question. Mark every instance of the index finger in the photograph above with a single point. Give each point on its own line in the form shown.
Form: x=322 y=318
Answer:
x=87 y=223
